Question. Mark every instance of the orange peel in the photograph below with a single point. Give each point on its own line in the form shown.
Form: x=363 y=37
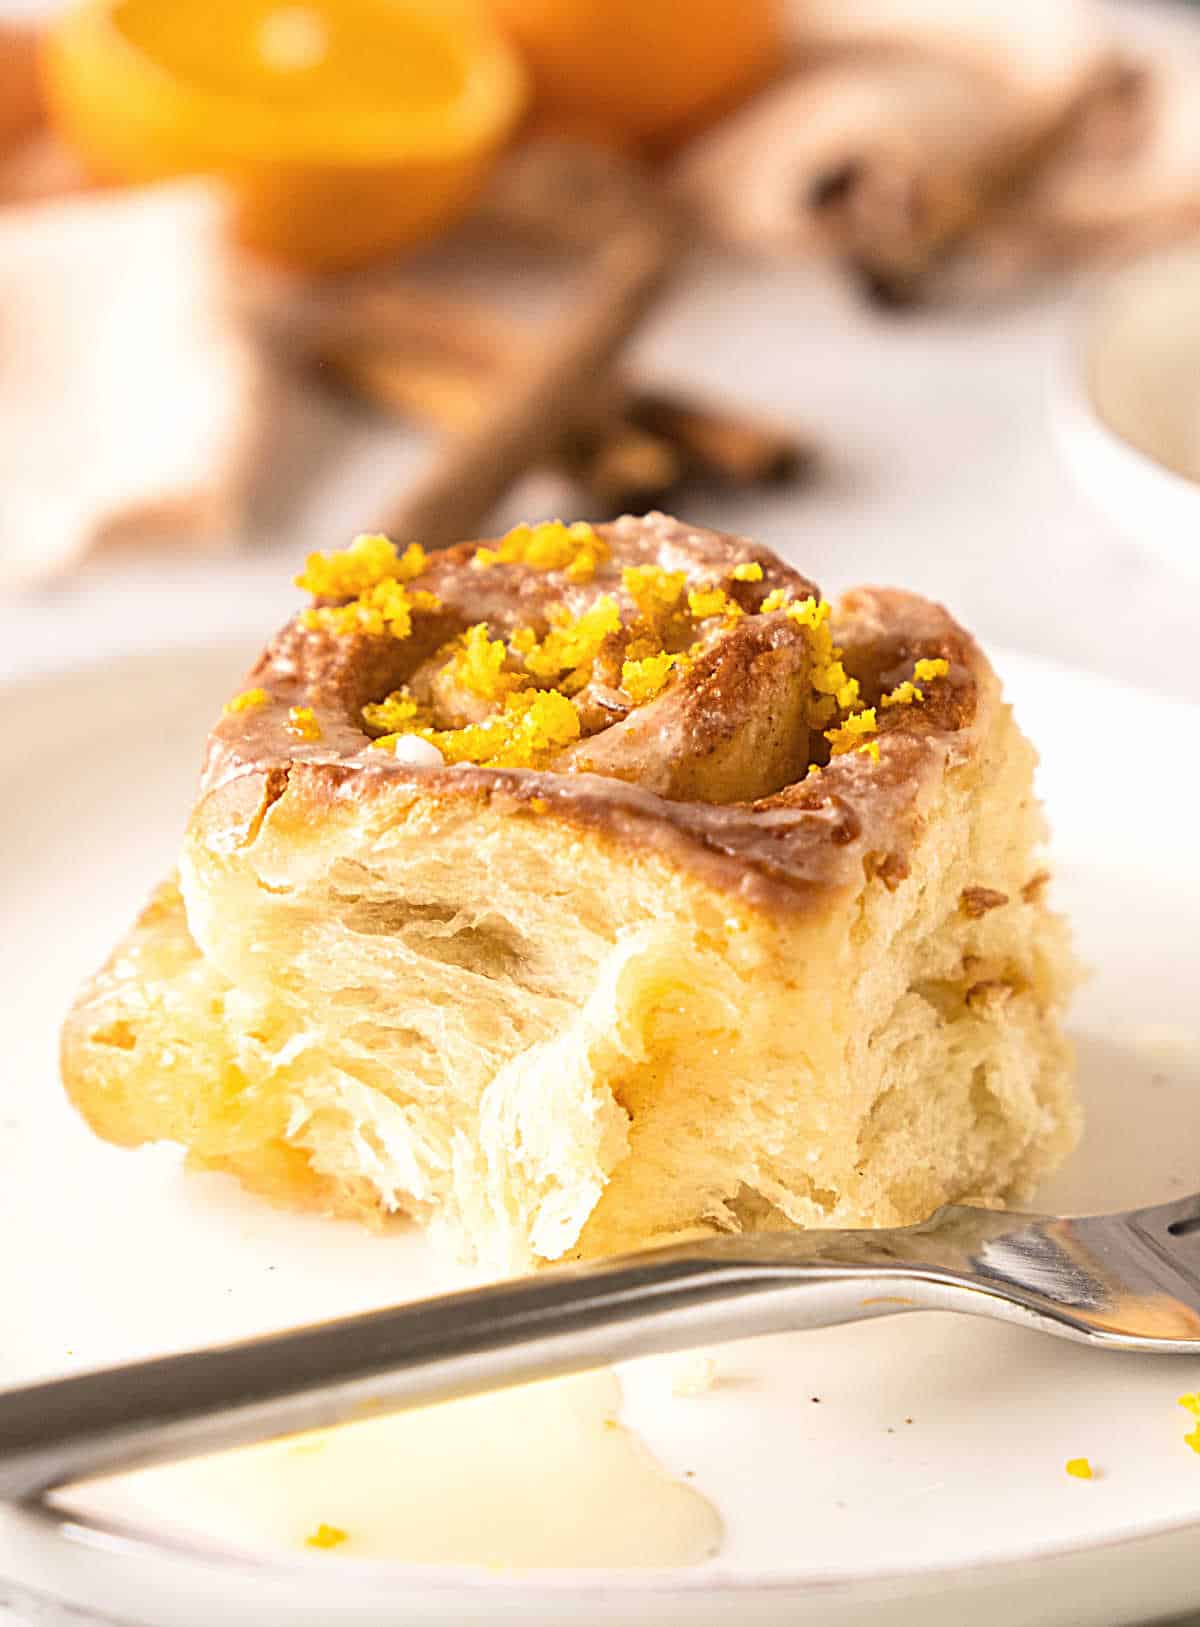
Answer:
x=346 y=129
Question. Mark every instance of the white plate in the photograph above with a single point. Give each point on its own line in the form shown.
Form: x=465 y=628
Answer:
x=829 y=1509
x=1125 y=403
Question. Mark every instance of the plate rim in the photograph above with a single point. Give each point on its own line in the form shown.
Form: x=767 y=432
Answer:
x=115 y=1537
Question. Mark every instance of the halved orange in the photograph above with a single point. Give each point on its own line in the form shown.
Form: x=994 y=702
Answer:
x=346 y=128
x=643 y=72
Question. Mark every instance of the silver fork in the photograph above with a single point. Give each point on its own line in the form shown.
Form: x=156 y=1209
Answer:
x=1127 y=1281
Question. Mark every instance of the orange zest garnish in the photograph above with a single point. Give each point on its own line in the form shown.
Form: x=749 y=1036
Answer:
x=246 y=701
x=575 y=549
x=326 y=1536
x=302 y=722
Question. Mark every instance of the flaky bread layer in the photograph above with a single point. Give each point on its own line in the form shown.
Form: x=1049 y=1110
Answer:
x=554 y=1042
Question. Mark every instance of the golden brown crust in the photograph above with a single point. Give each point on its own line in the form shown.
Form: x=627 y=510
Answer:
x=785 y=848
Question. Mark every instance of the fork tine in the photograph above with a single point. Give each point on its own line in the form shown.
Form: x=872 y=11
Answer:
x=1166 y=1217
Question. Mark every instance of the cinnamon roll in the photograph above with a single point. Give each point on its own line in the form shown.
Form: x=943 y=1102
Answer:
x=579 y=889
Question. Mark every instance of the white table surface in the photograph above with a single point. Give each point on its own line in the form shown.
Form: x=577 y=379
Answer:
x=942 y=475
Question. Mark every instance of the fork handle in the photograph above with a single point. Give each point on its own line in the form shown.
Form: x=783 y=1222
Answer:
x=559 y=1321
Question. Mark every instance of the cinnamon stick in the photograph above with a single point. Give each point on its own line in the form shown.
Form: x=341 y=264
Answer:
x=619 y=465
x=721 y=444
x=524 y=424
x=895 y=225
x=441 y=359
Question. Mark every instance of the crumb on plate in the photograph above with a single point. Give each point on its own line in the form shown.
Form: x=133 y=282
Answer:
x=326 y=1536
x=1191 y=1403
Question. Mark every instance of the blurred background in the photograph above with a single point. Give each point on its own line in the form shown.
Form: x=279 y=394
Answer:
x=905 y=288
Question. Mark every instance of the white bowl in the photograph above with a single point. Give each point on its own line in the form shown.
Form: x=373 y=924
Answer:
x=1125 y=403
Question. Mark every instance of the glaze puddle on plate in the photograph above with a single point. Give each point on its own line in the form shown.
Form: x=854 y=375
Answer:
x=537 y=1477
